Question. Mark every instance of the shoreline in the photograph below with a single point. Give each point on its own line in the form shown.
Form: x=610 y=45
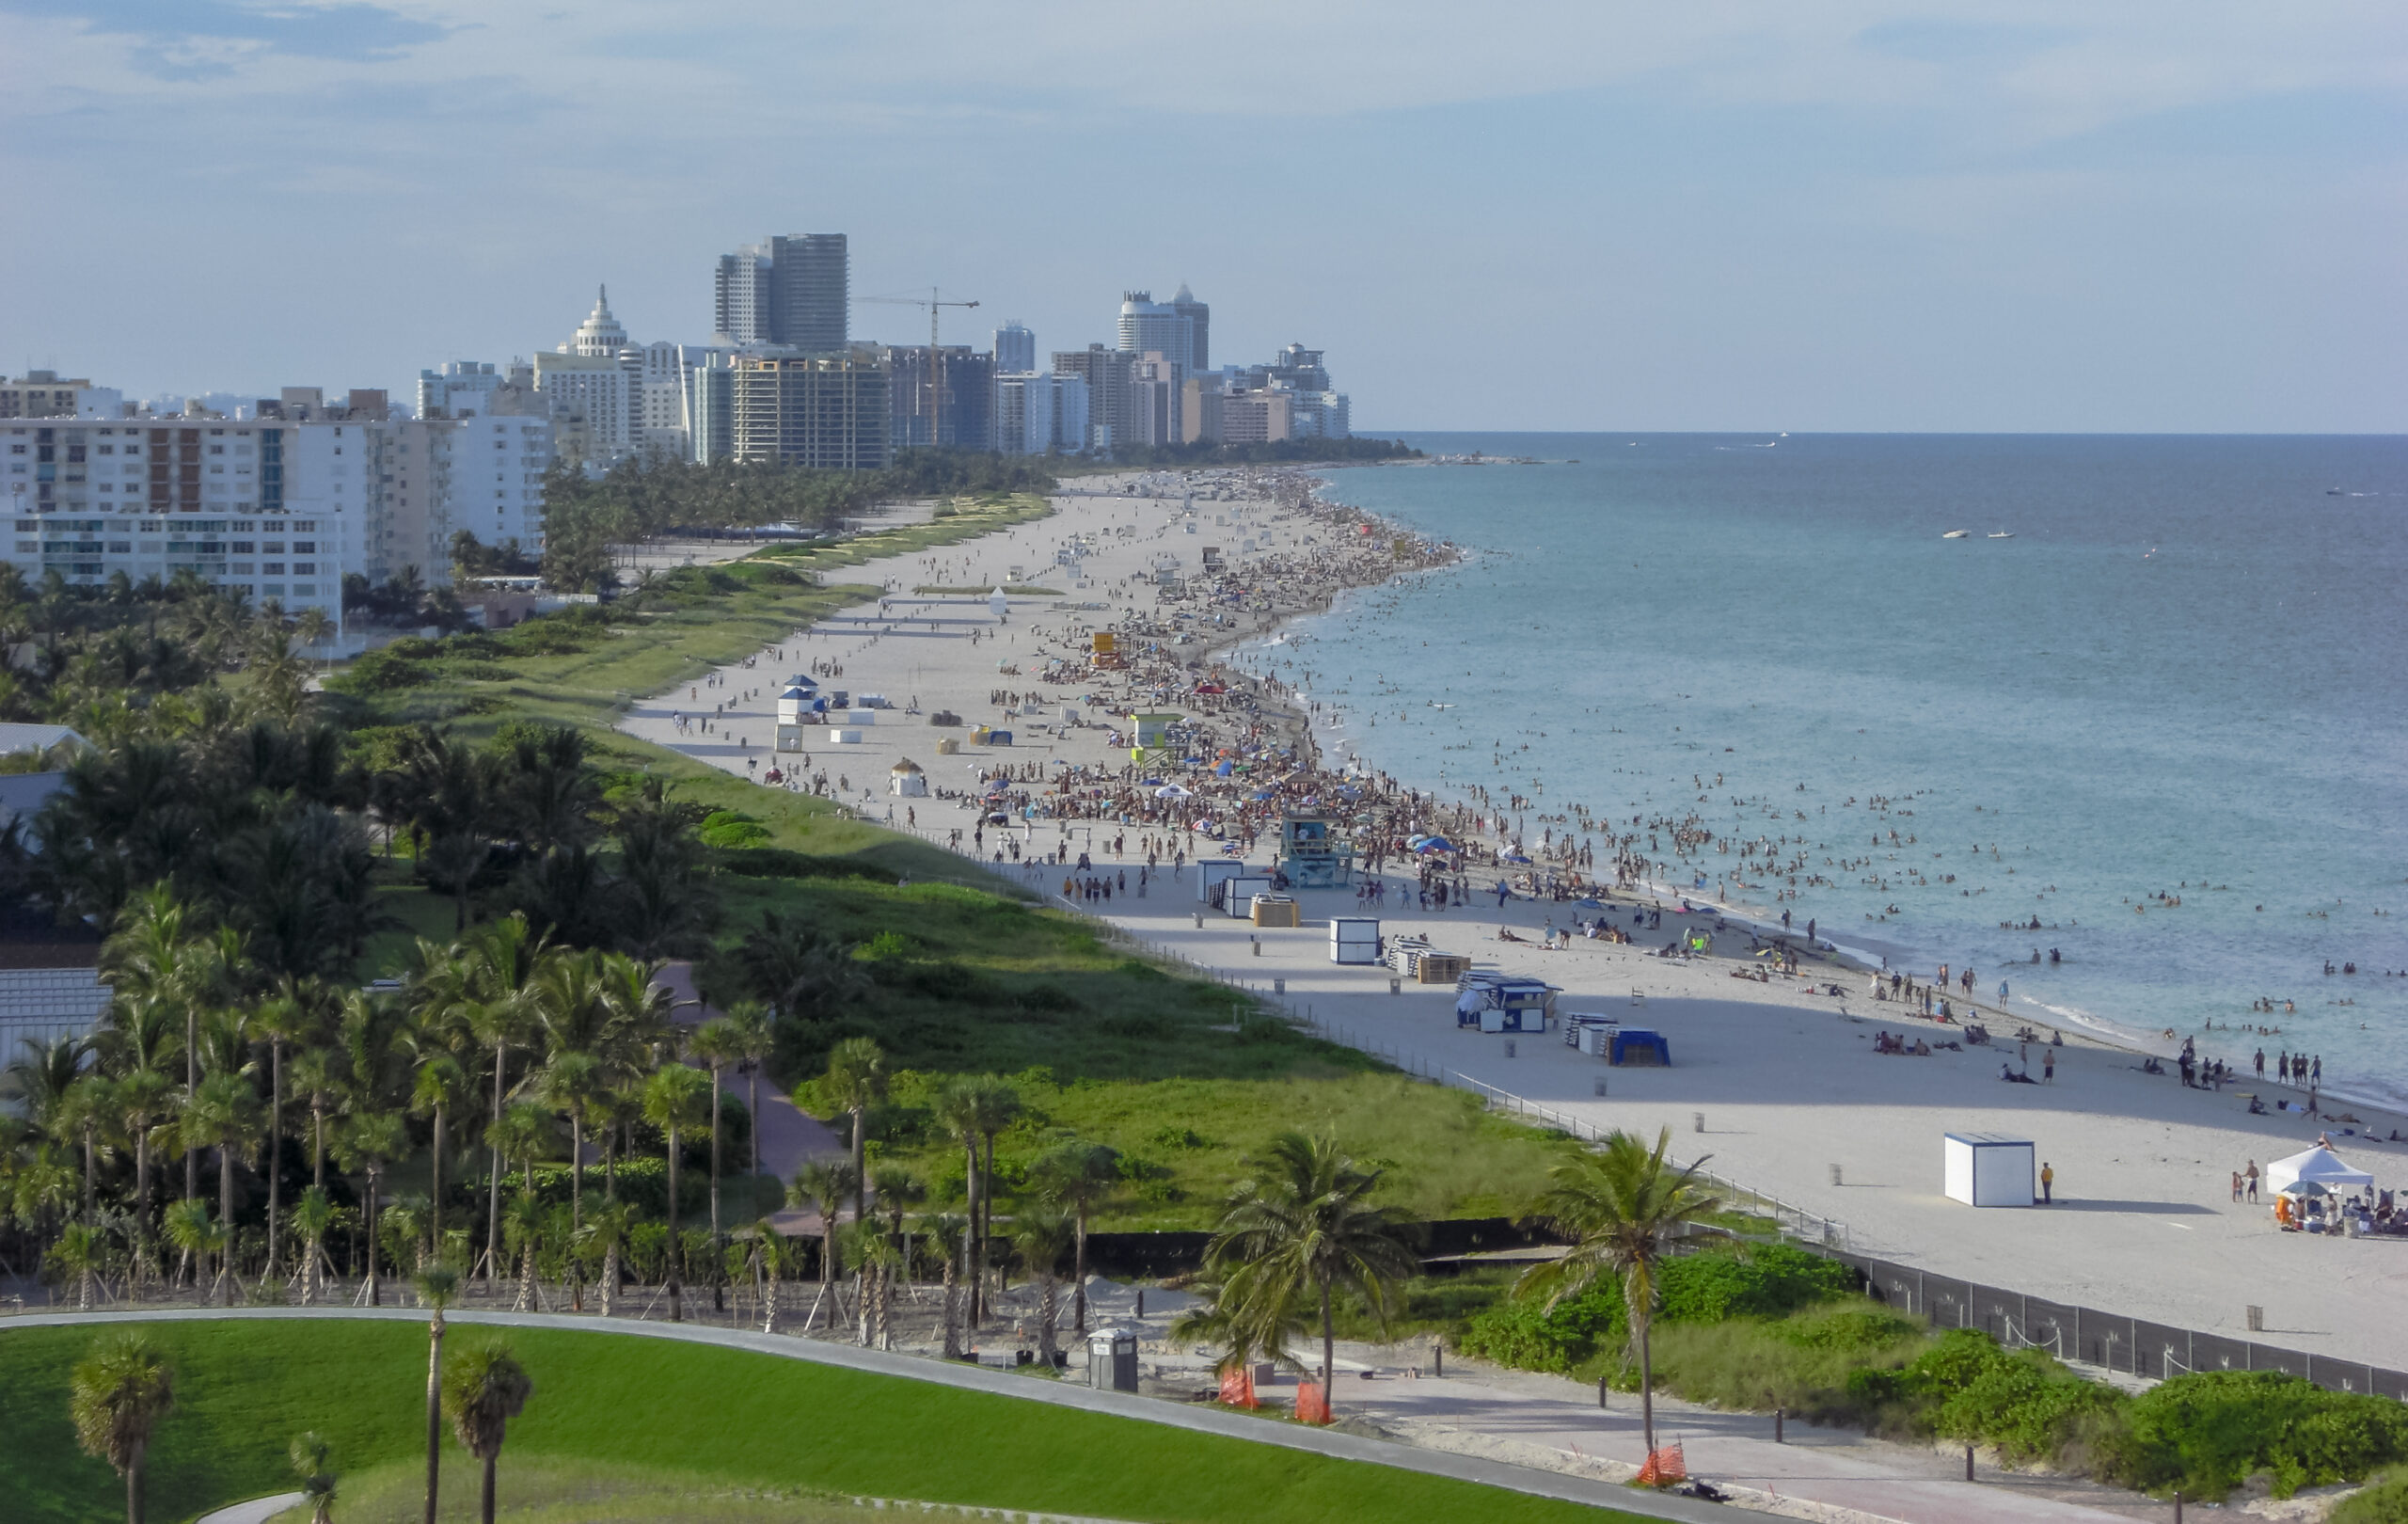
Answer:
x=2104 y=1030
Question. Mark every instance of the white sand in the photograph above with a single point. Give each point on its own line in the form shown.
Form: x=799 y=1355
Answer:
x=1789 y=1088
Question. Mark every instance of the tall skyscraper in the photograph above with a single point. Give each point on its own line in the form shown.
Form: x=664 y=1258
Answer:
x=794 y=291
x=812 y=277
x=1199 y=324
x=740 y=297
x=1015 y=349
x=1148 y=326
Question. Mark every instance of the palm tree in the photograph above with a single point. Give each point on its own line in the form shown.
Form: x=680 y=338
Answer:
x=224 y=1115
x=309 y=1452
x=876 y=1260
x=369 y=1141
x=436 y=1286
x=716 y=1046
x=1619 y=1205
x=673 y=1102
x=769 y=1263
x=947 y=1231
x=289 y=1016
x=88 y=1106
x=116 y=1396
x=317 y=1078
x=522 y=1229
x=856 y=1080
x=438 y=1088
x=312 y=1217
x=526 y=1129
x=503 y=960
x=144 y=1097
x=606 y=1233
x=1038 y=1238
x=1299 y=1229
x=822 y=1185
x=1079 y=1176
x=974 y=1108
x=153 y=955
x=755 y=1039
x=195 y=1237
x=484 y=1389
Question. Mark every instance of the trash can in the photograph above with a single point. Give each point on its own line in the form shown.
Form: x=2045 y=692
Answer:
x=1112 y=1359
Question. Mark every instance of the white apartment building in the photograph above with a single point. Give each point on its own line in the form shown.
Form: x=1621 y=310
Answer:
x=481 y=473
x=271 y=508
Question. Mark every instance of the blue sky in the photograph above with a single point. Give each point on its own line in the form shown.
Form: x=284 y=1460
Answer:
x=1839 y=215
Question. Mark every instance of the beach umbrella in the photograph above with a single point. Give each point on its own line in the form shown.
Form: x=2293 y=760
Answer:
x=2305 y=1187
x=1173 y=791
x=1221 y=769
x=1436 y=844
x=1515 y=857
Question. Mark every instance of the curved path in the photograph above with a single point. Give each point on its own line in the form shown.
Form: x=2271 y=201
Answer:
x=257 y=1511
x=1473 y=1468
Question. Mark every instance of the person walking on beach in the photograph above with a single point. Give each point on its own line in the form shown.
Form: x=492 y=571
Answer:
x=2261 y=1066
x=2236 y=1185
x=2250 y=1175
x=2048 y=1067
x=2048 y=1183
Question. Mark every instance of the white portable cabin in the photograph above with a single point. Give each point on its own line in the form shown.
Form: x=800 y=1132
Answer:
x=1237 y=895
x=1989 y=1169
x=906 y=781
x=1354 y=939
x=840 y=735
x=1591 y=1033
x=1210 y=875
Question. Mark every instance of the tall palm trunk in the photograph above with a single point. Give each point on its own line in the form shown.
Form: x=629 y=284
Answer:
x=952 y=1308
x=375 y=1291
x=575 y=1205
x=677 y=1287
x=225 y=1219
x=435 y=1194
x=971 y=1248
x=274 y=1150
x=84 y=1282
x=135 y=1273
x=192 y=1088
x=318 y=1142
x=1079 y=1273
x=1639 y=1326
x=134 y=1513
x=1328 y=1346
x=493 y=1199
x=719 y=1278
x=1049 y=1310
x=486 y=1497
x=610 y=1281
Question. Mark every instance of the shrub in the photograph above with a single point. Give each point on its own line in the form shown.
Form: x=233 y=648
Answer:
x=1750 y=1281
x=1521 y=1334
x=2209 y=1431
x=733 y=830
x=2384 y=1501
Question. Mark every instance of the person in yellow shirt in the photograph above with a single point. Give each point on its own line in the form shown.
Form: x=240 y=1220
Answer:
x=2048 y=1183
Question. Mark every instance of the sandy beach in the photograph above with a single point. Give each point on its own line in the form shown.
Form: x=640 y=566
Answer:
x=1776 y=1079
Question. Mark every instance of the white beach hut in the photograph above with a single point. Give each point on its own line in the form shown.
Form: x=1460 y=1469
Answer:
x=996 y=603
x=906 y=781
x=1984 y=1169
x=2319 y=1166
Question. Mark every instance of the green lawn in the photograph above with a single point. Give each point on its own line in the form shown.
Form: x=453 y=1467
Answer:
x=244 y=1388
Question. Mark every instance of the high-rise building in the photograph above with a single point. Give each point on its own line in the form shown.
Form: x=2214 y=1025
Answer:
x=1199 y=328
x=1015 y=349
x=824 y=413
x=1257 y=417
x=1106 y=373
x=1152 y=414
x=813 y=277
x=794 y=291
x=1037 y=414
x=1299 y=369
x=481 y=471
x=1151 y=327
x=48 y=394
x=741 y=296
x=964 y=412
x=597 y=378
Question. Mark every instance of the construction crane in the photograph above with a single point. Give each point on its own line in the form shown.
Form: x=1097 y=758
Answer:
x=935 y=302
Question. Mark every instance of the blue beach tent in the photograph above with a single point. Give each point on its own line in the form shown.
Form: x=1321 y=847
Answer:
x=1641 y=1048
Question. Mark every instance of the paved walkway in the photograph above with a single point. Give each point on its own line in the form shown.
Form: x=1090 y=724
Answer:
x=1484 y=1470
x=790 y=1135
x=258 y=1511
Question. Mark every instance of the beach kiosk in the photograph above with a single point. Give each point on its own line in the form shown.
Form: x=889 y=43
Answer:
x=906 y=781
x=1354 y=939
x=1988 y=1170
x=1212 y=873
x=1311 y=855
x=1503 y=1003
x=794 y=704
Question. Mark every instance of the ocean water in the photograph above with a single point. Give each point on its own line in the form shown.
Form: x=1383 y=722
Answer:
x=2186 y=674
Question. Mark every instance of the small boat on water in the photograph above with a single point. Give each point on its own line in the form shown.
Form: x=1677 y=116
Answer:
x=1957 y=535
x=2003 y=534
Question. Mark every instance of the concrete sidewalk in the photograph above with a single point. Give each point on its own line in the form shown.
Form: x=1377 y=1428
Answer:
x=789 y=1135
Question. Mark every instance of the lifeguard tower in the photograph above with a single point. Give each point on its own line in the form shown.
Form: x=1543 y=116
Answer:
x=1149 y=737
x=800 y=698
x=1311 y=855
x=1105 y=650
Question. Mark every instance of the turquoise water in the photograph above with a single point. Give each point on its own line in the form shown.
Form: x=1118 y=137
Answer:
x=2186 y=674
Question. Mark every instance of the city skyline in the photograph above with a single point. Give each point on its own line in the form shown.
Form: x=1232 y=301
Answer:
x=1872 y=216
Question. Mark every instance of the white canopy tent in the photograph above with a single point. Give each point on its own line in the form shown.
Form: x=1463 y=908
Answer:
x=2319 y=1166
